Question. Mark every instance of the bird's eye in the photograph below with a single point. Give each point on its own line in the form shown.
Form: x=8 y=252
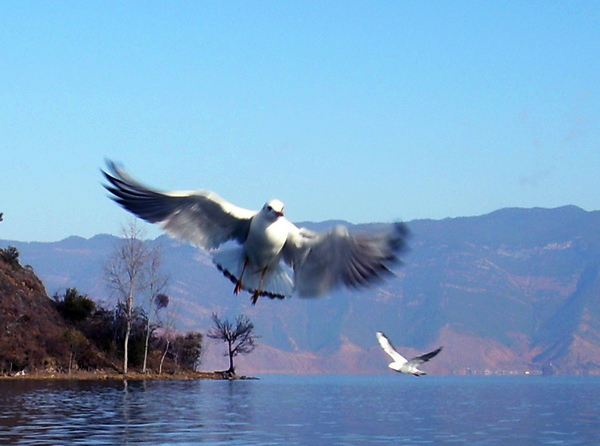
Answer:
x=269 y=208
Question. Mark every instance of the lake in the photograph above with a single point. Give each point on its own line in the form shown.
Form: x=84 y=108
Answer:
x=305 y=410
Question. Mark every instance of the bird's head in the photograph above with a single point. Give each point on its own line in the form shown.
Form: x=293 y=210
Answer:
x=273 y=209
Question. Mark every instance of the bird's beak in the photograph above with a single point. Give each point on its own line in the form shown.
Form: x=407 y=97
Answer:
x=279 y=213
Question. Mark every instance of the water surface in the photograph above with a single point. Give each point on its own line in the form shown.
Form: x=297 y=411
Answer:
x=305 y=410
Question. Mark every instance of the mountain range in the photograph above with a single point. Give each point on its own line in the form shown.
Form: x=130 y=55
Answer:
x=511 y=292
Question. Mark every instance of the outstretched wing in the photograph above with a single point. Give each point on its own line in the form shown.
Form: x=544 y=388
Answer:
x=424 y=358
x=201 y=218
x=389 y=348
x=326 y=260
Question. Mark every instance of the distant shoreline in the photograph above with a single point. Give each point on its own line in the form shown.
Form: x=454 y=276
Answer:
x=137 y=376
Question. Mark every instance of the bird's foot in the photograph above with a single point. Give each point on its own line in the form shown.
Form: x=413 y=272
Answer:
x=258 y=291
x=238 y=287
x=238 y=283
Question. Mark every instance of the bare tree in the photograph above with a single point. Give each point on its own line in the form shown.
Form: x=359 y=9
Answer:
x=127 y=272
x=169 y=333
x=240 y=338
x=157 y=300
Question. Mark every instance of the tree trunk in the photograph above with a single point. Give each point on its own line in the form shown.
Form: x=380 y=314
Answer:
x=146 y=346
x=126 y=348
x=231 y=370
x=163 y=357
x=129 y=312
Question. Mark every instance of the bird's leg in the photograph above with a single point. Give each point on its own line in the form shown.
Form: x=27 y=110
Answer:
x=238 y=284
x=257 y=292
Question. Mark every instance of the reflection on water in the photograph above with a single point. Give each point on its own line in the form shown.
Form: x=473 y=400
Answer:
x=117 y=412
x=303 y=410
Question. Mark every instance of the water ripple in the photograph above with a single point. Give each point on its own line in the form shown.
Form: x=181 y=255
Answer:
x=303 y=410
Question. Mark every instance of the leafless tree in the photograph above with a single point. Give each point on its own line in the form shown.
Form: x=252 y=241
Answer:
x=156 y=299
x=167 y=337
x=169 y=333
x=240 y=338
x=159 y=302
x=127 y=273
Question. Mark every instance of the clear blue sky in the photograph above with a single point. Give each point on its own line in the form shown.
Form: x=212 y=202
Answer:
x=356 y=110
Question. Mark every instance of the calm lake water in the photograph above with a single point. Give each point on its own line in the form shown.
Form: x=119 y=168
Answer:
x=305 y=410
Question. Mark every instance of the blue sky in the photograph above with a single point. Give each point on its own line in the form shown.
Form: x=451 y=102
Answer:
x=363 y=111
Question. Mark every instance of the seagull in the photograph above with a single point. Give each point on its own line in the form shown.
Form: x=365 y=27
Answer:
x=267 y=246
x=400 y=363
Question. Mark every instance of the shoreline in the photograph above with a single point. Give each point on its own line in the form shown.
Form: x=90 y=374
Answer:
x=136 y=376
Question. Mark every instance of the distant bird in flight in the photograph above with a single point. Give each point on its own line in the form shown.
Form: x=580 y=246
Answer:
x=400 y=363
x=267 y=241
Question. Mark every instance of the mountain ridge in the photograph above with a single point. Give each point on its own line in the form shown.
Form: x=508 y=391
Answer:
x=512 y=291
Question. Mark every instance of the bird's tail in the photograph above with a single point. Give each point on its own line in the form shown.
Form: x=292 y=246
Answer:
x=276 y=282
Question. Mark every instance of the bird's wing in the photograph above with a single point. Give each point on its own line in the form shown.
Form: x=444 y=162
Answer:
x=424 y=358
x=389 y=348
x=201 y=218
x=322 y=261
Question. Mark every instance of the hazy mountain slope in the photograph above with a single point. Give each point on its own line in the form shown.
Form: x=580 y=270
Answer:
x=515 y=289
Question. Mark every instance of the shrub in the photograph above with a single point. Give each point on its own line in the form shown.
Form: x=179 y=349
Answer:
x=188 y=350
x=10 y=255
x=74 y=306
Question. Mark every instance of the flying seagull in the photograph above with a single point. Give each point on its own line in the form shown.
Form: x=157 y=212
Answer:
x=266 y=241
x=400 y=363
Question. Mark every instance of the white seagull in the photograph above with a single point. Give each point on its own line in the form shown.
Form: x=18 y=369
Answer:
x=267 y=241
x=400 y=363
